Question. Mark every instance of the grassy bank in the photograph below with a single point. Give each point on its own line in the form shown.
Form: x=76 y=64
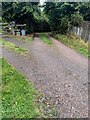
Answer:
x=24 y=38
x=13 y=47
x=18 y=95
x=73 y=42
x=44 y=38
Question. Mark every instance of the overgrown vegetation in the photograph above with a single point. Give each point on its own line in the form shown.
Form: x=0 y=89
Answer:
x=54 y=16
x=45 y=38
x=18 y=95
x=63 y=15
x=13 y=47
x=73 y=42
x=25 y=13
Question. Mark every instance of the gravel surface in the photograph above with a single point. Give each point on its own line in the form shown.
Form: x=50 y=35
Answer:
x=58 y=72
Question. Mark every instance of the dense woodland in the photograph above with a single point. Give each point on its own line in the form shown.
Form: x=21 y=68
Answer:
x=60 y=16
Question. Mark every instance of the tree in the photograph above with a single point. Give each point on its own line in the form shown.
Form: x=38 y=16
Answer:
x=85 y=10
x=56 y=16
x=62 y=16
x=19 y=12
x=76 y=19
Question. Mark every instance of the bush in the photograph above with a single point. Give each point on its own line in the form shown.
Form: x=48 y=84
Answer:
x=76 y=19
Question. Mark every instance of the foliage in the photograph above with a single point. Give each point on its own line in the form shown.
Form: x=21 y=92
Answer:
x=65 y=25
x=25 y=13
x=76 y=19
x=0 y=19
x=55 y=16
x=18 y=95
x=85 y=10
x=62 y=16
x=74 y=42
x=21 y=13
x=14 y=47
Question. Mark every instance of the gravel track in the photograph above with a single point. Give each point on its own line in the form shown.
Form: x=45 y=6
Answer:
x=57 y=71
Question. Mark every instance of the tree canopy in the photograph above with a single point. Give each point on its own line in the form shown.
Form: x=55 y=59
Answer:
x=55 y=16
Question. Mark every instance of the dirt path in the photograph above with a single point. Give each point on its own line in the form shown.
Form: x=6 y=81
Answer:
x=55 y=73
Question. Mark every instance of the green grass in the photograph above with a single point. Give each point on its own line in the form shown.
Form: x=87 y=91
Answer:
x=44 y=38
x=24 y=38
x=13 y=47
x=73 y=42
x=18 y=95
x=0 y=31
x=0 y=41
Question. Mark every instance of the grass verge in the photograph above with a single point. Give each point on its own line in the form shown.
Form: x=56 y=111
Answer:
x=24 y=38
x=73 y=42
x=44 y=38
x=18 y=95
x=13 y=47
